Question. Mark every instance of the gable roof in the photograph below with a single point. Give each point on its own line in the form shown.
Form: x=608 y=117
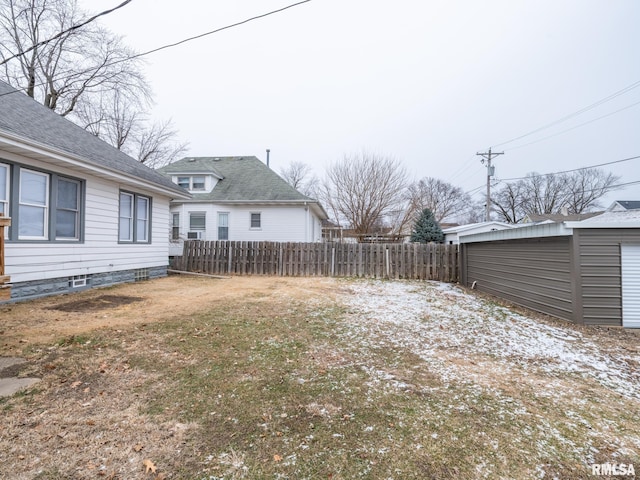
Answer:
x=31 y=129
x=241 y=179
x=625 y=204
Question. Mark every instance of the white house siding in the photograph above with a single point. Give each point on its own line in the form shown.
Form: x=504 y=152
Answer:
x=278 y=223
x=100 y=251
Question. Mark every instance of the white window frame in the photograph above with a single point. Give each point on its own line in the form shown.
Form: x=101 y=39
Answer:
x=128 y=217
x=175 y=226
x=4 y=202
x=251 y=227
x=135 y=218
x=220 y=225
x=197 y=229
x=190 y=182
x=146 y=220
x=77 y=210
x=45 y=207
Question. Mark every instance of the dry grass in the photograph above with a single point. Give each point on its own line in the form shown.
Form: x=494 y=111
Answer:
x=275 y=384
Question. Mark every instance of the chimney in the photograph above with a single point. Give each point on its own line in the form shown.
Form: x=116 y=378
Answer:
x=268 y=151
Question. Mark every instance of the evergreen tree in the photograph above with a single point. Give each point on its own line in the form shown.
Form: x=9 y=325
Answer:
x=426 y=229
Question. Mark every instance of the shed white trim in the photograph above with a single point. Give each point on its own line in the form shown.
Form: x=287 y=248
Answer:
x=630 y=260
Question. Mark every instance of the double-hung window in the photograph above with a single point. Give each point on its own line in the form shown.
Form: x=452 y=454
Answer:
x=192 y=183
x=4 y=189
x=67 y=209
x=33 y=209
x=43 y=206
x=223 y=226
x=256 y=220
x=175 y=226
x=134 y=218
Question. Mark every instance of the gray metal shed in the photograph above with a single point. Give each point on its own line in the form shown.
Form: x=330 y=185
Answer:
x=587 y=272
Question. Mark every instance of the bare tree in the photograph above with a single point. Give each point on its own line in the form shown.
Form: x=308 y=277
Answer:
x=444 y=200
x=299 y=176
x=363 y=189
x=86 y=74
x=508 y=202
x=577 y=191
x=295 y=174
x=586 y=187
x=77 y=64
x=155 y=146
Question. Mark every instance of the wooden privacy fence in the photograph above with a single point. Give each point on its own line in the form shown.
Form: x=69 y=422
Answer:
x=408 y=261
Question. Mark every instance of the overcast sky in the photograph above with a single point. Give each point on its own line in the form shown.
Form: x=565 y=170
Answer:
x=431 y=83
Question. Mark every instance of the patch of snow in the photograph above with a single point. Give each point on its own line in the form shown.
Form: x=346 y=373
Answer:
x=431 y=319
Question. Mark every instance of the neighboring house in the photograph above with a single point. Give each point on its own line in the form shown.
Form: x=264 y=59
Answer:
x=557 y=217
x=82 y=213
x=239 y=198
x=622 y=205
x=452 y=235
x=587 y=272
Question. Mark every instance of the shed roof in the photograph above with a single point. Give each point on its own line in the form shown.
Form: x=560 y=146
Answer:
x=623 y=219
x=24 y=120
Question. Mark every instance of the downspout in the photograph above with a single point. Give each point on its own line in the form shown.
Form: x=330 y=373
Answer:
x=306 y=223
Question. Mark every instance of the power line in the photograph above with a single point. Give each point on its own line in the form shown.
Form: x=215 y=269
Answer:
x=577 y=126
x=626 y=89
x=64 y=32
x=170 y=45
x=115 y=62
x=569 y=171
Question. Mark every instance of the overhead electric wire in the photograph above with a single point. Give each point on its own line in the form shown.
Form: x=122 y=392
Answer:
x=574 y=127
x=572 y=170
x=170 y=45
x=576 y=113
x=64 y=32
x=220 y=29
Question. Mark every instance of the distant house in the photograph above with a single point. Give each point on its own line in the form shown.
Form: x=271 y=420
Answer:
x=623 y=205
x=452 y=234
x=82 y=213
x=557 y=217
x=239 y=198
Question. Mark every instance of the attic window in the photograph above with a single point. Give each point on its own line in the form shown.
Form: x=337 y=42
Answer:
x=192 y=183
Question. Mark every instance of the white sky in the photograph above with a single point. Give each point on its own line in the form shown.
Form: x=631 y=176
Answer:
x=430 y=82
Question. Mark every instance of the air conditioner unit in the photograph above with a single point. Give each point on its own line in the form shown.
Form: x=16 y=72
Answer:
x=195 y=235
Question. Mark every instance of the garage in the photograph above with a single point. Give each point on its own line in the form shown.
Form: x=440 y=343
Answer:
x=587 y=272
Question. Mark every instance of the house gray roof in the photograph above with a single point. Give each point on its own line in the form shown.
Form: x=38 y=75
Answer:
x=27 y=120
x=242 y=179
x=628 y=204
x=560 y=217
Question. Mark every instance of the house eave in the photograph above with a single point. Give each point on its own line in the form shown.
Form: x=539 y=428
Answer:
x=18 y=145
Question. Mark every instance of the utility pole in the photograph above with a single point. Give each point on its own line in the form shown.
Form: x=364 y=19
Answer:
x=490 y=171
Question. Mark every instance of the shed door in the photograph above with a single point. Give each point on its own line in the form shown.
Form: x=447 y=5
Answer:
x=630 y=286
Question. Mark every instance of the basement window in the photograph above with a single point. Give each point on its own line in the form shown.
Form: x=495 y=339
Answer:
x=78 y=281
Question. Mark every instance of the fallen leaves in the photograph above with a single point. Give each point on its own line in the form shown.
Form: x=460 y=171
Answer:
x=149 y=466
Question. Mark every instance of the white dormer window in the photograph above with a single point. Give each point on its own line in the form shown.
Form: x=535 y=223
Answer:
x=193 y=183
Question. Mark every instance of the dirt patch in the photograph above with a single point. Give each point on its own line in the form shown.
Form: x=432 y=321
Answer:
x=94 y=304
